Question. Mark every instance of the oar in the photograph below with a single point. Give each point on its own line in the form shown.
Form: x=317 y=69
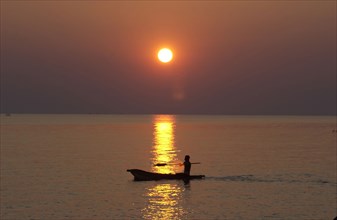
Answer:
x=166 y=164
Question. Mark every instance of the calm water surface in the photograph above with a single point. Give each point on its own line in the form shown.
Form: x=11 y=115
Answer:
x=74 y=167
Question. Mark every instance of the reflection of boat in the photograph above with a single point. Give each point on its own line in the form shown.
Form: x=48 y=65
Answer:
x=141 y=175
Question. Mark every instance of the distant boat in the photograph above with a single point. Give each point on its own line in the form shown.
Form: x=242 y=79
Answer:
x=141 y=175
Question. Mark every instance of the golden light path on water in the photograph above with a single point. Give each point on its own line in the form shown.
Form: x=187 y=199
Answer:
x=164 y=198
x=164 y=150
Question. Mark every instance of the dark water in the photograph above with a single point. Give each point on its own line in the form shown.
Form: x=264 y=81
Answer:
x=74 y=167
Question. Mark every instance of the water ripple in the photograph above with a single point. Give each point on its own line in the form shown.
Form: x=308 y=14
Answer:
x=301 y=179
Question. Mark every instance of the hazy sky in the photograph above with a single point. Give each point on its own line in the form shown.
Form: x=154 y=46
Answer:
x=230 y=57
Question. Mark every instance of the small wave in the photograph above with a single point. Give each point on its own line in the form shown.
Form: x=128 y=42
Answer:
x=302 y=178
x=232 y=178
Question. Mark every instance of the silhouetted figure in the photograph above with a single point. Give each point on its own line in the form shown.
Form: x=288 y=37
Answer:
x=187 y=165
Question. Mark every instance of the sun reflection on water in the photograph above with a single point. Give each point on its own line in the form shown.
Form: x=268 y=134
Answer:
x=164 y=198
x=164 y=202
x=164 y=150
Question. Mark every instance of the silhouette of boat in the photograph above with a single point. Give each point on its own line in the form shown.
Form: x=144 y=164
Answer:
x=141 y=175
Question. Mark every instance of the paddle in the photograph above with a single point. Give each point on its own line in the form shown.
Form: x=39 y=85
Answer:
x=166 y=164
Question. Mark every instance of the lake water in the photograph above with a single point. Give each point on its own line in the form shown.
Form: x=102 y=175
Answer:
x=256 y=167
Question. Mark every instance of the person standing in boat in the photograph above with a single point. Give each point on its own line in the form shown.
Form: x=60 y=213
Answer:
x=187 y=165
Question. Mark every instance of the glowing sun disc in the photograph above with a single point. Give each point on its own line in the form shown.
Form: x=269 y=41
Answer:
x=165 y=55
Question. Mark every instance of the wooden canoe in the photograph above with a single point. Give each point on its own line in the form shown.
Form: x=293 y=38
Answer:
x=141 y=175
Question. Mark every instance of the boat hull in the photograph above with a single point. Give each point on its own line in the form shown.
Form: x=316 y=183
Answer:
x=141 y=175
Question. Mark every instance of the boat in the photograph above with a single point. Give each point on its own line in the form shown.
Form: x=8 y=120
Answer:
x=141 y=175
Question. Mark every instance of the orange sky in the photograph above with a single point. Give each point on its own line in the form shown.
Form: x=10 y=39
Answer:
x=103 y=54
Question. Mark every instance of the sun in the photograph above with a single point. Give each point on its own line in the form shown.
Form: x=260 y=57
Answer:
x=165 y=55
